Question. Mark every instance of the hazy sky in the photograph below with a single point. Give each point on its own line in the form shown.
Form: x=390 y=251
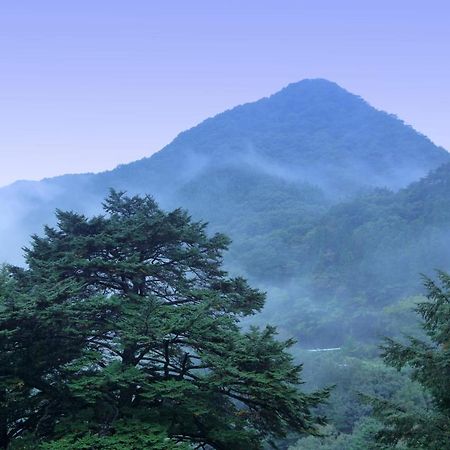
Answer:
x=88 y=84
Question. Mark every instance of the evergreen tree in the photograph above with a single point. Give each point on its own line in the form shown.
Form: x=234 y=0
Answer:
x=429 y=362
x=122 y=332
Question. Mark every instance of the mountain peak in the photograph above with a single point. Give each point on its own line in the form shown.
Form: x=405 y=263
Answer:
x=312 y=131
x=314 y=83
x=310 y=94
x=313 y=86
x=316 y=131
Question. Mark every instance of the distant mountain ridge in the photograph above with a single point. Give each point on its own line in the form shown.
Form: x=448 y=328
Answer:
x=311 y=132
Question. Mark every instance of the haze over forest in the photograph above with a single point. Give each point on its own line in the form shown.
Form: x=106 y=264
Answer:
x=333 y=208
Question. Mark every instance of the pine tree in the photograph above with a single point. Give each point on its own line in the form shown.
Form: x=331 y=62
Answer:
x=429 y=363
x=122 y=332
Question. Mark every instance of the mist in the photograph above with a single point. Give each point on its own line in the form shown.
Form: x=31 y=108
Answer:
x=334 y=210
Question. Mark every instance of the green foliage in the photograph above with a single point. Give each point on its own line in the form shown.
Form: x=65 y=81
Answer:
x=128 y=435
x=351 y=377
x=290 y=179
x=351 y=262
x=429 y=360
x=374 y=246
x=127 y=322
x=362 y=437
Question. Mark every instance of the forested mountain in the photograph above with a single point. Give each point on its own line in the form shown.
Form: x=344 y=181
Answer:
x=333 y=207
x=383 y=239
x=312 y=184
x=356 y=260
x=310 y=132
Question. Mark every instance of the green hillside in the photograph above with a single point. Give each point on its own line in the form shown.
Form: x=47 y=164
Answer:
x=310 y=132
x=312 y=184
x=334 y=209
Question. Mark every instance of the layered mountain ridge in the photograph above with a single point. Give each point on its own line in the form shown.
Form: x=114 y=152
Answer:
x=311 y=132
x=332 y=205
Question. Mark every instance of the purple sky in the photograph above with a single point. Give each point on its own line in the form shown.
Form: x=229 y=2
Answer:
x=88 y=84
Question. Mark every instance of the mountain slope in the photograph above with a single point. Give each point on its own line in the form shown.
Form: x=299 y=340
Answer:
x=310 y=132
x=314 y=131
x=353 y=269
x=376 y=246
